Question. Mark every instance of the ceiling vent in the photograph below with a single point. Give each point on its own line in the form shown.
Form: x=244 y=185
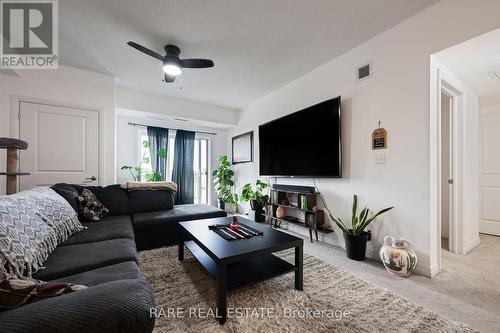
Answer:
x=364 y=72
x=495 y=74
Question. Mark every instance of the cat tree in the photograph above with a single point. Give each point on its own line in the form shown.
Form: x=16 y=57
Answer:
x=12 y=146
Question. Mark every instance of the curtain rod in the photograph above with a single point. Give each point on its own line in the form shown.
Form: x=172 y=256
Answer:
x=136 y=124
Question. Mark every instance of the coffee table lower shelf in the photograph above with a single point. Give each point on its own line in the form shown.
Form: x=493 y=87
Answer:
x=245 y=272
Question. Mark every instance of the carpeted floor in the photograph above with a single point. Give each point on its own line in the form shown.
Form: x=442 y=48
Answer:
x=185 y=297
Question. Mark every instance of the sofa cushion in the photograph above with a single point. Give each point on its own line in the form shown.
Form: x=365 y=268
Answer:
x=90 y=207
x=73 y=259
x=69 y=193
x=162 y=220
x=110 y=227
x=122 y=271
x=140 y=201
x=114 y=307
x=113 y=197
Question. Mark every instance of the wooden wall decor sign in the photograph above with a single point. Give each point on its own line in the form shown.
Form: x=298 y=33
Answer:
x=379 y=138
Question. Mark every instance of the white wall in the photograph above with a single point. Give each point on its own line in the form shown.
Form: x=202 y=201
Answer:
x=66 y=85
x=127 y=150
x=399 y=96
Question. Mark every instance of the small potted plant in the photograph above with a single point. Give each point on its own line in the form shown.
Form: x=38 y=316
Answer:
x=356 y=236
x=223 y=180
x=231 y=203
x=257 y=199
x=137 y=171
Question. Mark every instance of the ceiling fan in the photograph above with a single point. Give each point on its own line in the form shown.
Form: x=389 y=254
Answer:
x=172 y=64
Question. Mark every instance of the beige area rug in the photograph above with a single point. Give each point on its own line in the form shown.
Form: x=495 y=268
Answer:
x=343 y=303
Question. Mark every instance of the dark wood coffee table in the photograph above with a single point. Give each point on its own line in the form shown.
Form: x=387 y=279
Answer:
x=238 y=263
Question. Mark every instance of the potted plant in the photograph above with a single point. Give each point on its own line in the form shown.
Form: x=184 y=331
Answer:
x=257 y=199
x=356 y=236
x=136 y=172
x=231 y=203
x=223 y=180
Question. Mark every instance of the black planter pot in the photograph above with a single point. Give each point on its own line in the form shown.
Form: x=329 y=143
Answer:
x=221 y=204
x=257 y=212
x=255 y=205
x=355 y=246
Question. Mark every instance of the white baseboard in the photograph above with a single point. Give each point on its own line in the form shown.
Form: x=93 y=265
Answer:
x=472 y=245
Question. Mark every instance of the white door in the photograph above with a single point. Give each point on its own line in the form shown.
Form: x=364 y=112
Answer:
x=62 y=145
x=489 y=179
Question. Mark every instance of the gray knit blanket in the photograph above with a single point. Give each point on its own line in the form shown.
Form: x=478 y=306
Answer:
x=32 y=224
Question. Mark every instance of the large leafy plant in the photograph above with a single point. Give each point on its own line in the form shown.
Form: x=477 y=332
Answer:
x=248 y=193
x=137 y=171
x=223 y=180
x=358 y=221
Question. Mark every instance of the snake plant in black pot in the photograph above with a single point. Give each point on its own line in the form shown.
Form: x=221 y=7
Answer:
x=356 y=236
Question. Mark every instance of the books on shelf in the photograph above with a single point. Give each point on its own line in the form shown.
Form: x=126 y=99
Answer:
x=303 y=202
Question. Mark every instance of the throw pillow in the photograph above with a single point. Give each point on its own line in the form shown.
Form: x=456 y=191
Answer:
x=69 y=193
x=90 y=207
x=15 y=292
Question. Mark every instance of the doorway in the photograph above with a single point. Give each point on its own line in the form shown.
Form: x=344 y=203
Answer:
x=63 y=143
x=447 y=144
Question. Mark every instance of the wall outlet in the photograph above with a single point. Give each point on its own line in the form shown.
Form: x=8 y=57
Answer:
x=379 y=159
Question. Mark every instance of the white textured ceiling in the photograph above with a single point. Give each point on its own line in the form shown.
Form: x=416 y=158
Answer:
x=474 y=60
x=257 y=46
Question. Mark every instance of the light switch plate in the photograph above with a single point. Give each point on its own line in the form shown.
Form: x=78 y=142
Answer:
x=379 y=159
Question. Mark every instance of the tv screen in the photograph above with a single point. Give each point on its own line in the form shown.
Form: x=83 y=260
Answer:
x=303 y=144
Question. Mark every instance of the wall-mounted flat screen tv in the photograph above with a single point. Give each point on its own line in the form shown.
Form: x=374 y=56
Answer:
x=306 y=143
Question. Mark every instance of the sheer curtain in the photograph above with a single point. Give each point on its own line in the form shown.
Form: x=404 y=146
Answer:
x=183 y=172
x=158 y=139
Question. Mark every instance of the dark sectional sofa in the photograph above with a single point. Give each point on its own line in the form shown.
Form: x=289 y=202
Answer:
x=104 y=258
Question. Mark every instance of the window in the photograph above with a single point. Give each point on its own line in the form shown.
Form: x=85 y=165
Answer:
x=144 y=156
x=200 y=166
x=201 y=171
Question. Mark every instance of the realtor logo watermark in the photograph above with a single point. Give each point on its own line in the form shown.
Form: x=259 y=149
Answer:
x=29 y=33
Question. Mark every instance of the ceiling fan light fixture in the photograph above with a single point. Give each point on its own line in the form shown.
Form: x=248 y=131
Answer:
x=172 y=69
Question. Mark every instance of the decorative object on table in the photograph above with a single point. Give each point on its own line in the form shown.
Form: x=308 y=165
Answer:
x=242 y=231
x=398 y=256
x=379 y=138
x=258 y=200
x=355 y=237
x=12 y=145
x=223 y=180
x=137 y=172
x=242 y=148
x=234 y=224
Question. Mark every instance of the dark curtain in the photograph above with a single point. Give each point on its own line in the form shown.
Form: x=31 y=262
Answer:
x=158 y=139
x=183 y=173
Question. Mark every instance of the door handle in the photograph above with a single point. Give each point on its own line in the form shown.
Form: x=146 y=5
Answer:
x=91 y=178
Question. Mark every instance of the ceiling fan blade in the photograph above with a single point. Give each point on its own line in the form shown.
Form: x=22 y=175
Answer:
x=168 y=78
x=197 y=63
x=146 y=50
